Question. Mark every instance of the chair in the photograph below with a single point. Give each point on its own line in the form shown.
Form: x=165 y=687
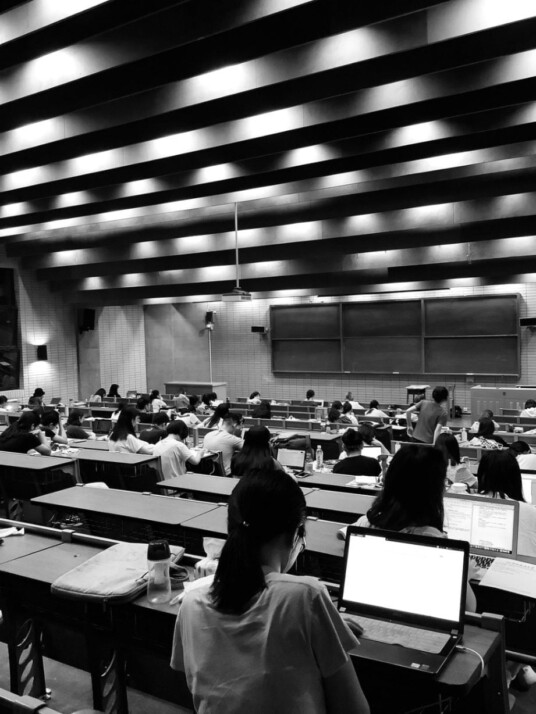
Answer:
x=211 y=465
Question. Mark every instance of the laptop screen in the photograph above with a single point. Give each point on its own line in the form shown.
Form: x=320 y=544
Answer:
x=529 y=487
x=489 y=525
x=293 y=458
x=372 y=451
x=405 y=580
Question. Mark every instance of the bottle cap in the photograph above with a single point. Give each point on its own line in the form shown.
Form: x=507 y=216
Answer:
x=158 y=550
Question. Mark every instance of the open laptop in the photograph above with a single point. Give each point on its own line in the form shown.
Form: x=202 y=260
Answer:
x=408 y=594
x=489 y=525
x=293 y=459
x=55 y=400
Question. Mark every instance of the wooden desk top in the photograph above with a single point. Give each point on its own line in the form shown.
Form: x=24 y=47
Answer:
x=91 y=444
x=115 y=457
x=323 y=499
x=34 y=463
x=59 y=560
x=126 y=504
x=462 y=671
x=219 y=485
x=315 y=435
x=336 y=482
x=15 y=547
x=214 y=522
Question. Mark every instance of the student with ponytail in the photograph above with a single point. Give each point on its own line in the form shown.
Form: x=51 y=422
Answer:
x=256 y=639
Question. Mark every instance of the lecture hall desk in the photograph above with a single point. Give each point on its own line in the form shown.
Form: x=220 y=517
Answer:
x=337 y=482
x=32 y=562
x=137 y=472
x=126 y=515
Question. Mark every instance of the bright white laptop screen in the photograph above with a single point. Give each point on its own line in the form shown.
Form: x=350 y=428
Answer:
x=371 y=451
x=411 y=578
x=292 y=458
x=485 y=524
x=529 y=487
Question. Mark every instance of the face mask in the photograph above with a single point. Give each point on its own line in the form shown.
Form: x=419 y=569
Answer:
x=297 y=548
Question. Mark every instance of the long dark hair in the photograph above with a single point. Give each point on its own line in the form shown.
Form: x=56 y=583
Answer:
x=413 y=489
x=75 y=417
x=261 y=508
x=499 y=474
x=155 y=394
x=255 y=455
x=24 y=424
x=113 y=391
x=122 y=404
x=220 y=412
x=449 y=447
x=374 y=404
x=486 y=428
x=124 y=425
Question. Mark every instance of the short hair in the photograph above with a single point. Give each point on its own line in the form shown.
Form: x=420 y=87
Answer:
x=3 y=399
x=160 y=418
x=519 y=447
x=487 y=413
x=353 y=440
x=336 y=405
x=440 y=394
x=142 y=403
x=485 y=428
x=234 y=417
x=346 y=407
x=374 y=404
x=254 y=394
x=530 y=404
x=50 y=418
x=177 y=427
x=309 y=394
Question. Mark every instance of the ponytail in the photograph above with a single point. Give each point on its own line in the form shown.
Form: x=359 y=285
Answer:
x=262 y=507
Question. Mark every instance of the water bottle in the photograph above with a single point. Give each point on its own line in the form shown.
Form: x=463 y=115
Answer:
x=464 y=434
x=308 y=462
x=158 y=562
x=319 y=458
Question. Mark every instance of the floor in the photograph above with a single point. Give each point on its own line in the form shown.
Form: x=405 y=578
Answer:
x=71 y=690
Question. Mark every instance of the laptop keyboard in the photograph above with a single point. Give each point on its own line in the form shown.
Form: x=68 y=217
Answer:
x=394 y=634
x=481 y=561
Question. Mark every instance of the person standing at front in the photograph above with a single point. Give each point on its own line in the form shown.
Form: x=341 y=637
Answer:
x=432 y=416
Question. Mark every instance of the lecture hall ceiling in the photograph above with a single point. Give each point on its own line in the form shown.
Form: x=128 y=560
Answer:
x=369 y=146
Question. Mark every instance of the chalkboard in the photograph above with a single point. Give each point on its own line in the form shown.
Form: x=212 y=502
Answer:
x=382 y=354
x=477 y=335
x=393 y=317
x=307 y=321
x=306 y=356
x=479 y=355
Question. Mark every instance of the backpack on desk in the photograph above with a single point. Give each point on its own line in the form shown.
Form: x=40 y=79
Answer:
x=117 y=574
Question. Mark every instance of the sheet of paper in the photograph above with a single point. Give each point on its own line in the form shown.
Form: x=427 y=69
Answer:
x=362 y=481
x=513 y=576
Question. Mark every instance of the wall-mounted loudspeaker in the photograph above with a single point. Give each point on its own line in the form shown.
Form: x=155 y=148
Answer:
x=259 y=328
x=42 y=352
x=86 y=320
x=527 y=322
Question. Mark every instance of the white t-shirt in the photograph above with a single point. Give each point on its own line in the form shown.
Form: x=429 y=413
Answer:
x=527 y=462
x=158 y=404
x=189 y=419
x=173 y=456
x=376 y=413
x=130 y=445
x=224 y=442
x=528 y=413
x=272 y=658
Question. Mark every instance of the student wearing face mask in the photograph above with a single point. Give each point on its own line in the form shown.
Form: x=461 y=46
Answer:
x=256 y=638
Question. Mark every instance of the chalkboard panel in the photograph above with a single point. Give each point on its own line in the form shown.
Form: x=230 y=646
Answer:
x=307 y=321
x=382 y=318
x=306 y=356
x=480 y=355
x=383 y=354
x=496 y=315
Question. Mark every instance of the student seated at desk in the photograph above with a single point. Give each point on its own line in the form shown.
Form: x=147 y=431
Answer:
x=254 y=398
x=181 y=400
x=335 y=412
x=255 y=639
x=485 y=436
x=256 y=454
x=53 y=428
x=121 y=405
x=224 y=440
x=310 y=396
x=173 y=451
x=486 y=414
x=157 y=430
x=40 y=395
x=262 y=410
x=3 y=404
x=412 y=498
x=114 y=391
x=216 y=419
x=73 y=427
x=530 y=409
x=98 y=396
x=189 y=417
x=156 y=402
x=367 y=432
x=525 y=458
x=123 y=437
x=348 y=416
x=375 y=411
x=25 y=435
x=499 y=476
x=457 y=468
x=355 y=464
x=350 y=398
x=145 y=411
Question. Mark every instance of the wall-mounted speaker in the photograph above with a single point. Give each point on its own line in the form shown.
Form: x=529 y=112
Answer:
x=260 y=329
x=42 y=352
x=86 y=320
x=527 y=322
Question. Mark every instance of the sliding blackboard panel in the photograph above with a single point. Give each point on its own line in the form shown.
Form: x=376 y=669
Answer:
x=382 y=318
x=383 y=354
x=494 y=315
x=307 y=321
x=306 y=356
x=479 y=355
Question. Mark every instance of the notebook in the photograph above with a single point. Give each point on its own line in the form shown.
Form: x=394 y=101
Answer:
x=292 y=458
x=489 y=525
x=412 y=607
